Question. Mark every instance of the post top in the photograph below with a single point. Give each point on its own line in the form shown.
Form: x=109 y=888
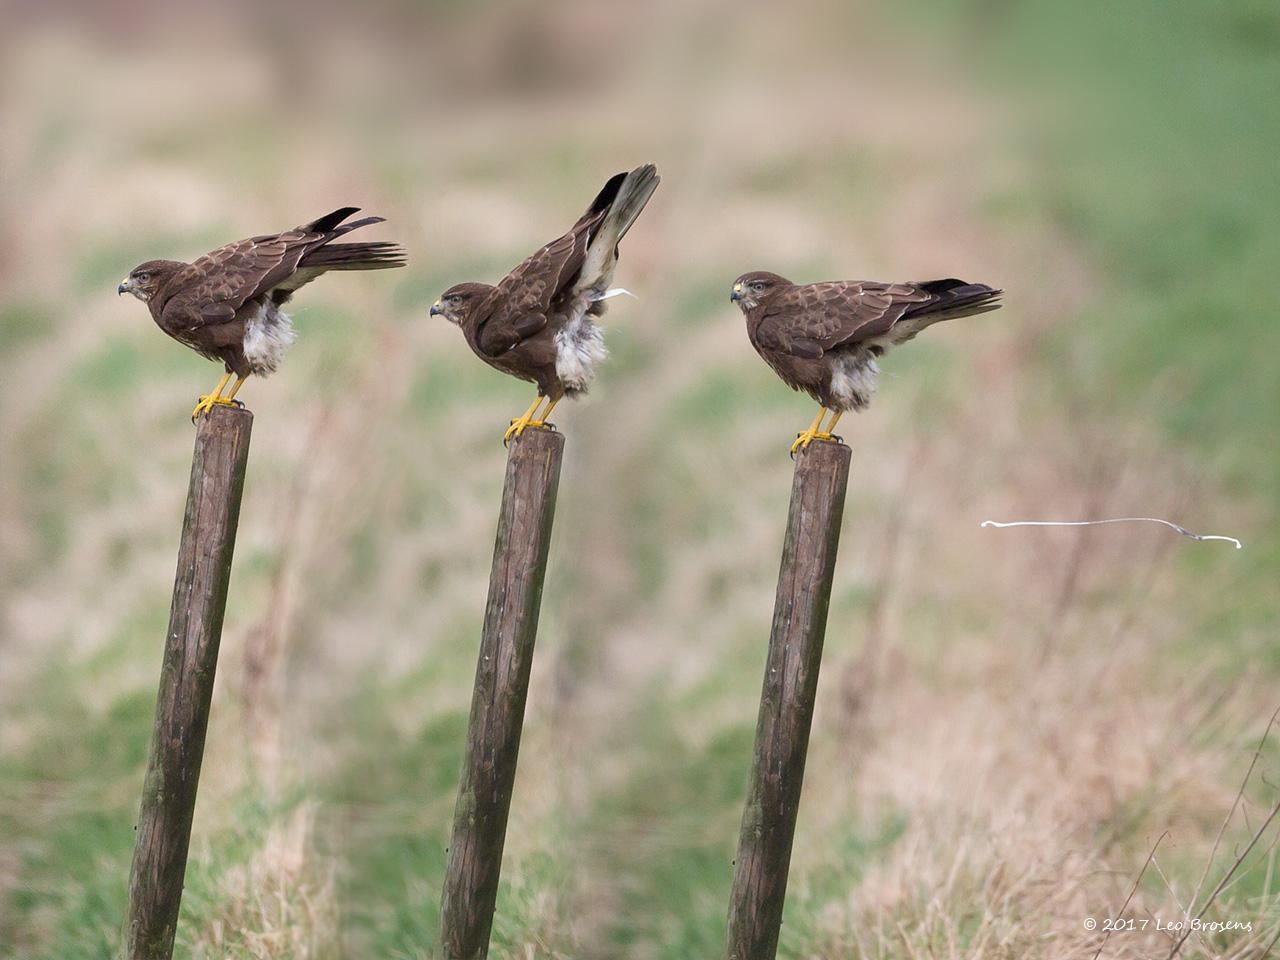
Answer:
x=224 y=412
x=537 y=439
x=823 y=453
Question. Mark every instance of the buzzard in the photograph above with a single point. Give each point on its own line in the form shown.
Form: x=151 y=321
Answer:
x=538 y=323
x=226 y=305
x=824 y=338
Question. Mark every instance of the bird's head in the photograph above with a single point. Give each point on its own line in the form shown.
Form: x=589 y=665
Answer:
x=750 y=289
x=456 y=303
x=146 y=278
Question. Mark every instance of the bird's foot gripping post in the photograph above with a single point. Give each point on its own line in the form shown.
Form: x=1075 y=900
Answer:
x=502 y=684
x=186 y=682
x=786 y=702
x=208 y=401
x=815 y=432
x=528 y=419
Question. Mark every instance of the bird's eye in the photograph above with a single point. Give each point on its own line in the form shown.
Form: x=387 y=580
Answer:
x=453 y=301
x=142 y=277
x=757 y=286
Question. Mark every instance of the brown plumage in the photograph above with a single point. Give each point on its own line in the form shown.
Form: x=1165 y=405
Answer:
x=226 y=305
x=538 y=323
x=824 y=338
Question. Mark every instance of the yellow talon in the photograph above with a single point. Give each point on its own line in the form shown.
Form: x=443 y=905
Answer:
x=528 y=419
x=521 y=425
x=523 y=421
x=806 y=437
x=208 y=400
x=802 y=441
x=815 y=431
x=517 y=427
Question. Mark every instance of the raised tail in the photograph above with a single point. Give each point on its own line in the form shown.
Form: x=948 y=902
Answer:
x=608 y=193
x=624 y=196
x=633 y=193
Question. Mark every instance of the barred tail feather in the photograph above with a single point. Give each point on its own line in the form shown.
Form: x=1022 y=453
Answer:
x=955 y=298
x=951 y=298
x=355 y=256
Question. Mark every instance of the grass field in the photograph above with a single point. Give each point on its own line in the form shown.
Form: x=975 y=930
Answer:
x=1008 y=720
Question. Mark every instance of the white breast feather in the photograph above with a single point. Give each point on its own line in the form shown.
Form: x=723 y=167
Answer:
x=853 y=379
x=268 y=333
x=579 y=347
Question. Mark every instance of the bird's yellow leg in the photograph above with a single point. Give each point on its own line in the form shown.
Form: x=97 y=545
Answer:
x=542 y=420
x=808 y=436
x=829 y=433
x=522 y=421
x=230 y=397
x=215 y=399
x=206 y=402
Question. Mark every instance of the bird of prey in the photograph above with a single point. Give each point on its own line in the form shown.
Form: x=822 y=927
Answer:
x=824 y=338
x=539 y=323
x=227 y=304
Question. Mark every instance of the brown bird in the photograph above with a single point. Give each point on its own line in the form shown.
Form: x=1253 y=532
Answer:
x=824 y=338
x=226 y=305
x=538 y=323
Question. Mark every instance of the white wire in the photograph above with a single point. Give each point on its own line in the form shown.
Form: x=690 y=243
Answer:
x=1088 y=523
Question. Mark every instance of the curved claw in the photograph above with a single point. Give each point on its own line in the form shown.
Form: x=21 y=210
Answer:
x=802 y=442
x=517 y=427
x=520 y=425
x=525 y=419
x=807 y=437
x=208 y=402
x=203 y=405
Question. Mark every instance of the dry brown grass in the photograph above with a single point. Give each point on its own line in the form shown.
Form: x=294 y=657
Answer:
x=280 y=904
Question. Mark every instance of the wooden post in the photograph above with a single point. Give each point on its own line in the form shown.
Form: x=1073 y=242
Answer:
x=186 y=681
x=786 y=703
x=502 y=683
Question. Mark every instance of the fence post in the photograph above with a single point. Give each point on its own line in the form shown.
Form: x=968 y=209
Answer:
x=186 y=681
x=786 y=703
x=502 y=683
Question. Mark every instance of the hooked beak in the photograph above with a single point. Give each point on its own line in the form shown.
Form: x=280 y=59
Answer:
x=736 y=295
x=126 y=286
x=436 y=309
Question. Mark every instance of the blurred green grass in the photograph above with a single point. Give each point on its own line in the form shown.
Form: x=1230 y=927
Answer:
x=1160 y=163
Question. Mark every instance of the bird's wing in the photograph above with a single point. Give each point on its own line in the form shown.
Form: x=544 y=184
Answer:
x=214 y=287
x=809 y=320
x=523 y=300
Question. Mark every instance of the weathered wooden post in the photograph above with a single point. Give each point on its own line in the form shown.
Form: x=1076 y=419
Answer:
x=502 y=684
x=186 y=681
x=786 y=703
